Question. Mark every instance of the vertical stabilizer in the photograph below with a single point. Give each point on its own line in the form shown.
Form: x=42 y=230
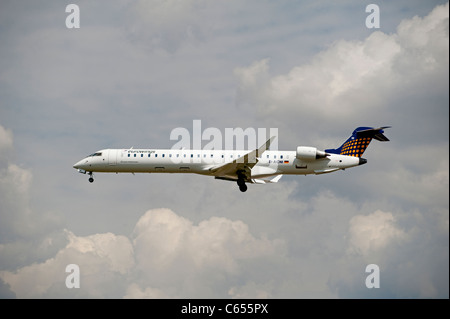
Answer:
x=357 y=143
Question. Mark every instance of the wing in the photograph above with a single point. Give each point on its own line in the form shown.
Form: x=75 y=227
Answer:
x=240 y=167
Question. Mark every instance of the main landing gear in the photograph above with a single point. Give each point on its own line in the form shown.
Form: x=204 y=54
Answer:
x=241 y=182
x=242 y=186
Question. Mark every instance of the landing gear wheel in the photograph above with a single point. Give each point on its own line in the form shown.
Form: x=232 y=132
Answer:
x=91 y=177
x=91 y=180
x=241 y=182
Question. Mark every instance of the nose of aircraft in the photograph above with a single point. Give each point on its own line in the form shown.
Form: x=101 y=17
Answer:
x=79 y=164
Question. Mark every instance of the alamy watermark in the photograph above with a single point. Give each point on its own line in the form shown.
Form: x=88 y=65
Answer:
x=73 y=19
x=191 y=147
x=73 y=279
x=373 y=280
x=373 y=19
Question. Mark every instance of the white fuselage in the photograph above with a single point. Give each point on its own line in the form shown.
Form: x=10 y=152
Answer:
x=203 y=162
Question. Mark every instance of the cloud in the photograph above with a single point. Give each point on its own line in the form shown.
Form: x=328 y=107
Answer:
x=26 y=234
x=354 y=78
x=373 y=232
x=173 y=252
x=406 y=248
x=322 y=252
x=166 y=256
x=15 y=184
x=102 y=259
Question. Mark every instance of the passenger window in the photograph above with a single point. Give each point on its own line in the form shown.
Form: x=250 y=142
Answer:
x=156 y=155
x=163 y=155
x=281 y=157
x=134 y=155
x=128 y=155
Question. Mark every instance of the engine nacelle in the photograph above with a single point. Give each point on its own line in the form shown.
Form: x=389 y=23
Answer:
x=307 y=153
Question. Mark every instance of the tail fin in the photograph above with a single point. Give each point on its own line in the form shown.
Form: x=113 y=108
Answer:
x=356 y=144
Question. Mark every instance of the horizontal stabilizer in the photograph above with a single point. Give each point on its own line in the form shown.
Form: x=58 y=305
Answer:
x=376 y=133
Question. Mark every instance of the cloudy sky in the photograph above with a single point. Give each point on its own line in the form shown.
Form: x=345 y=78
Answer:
x=136 y=70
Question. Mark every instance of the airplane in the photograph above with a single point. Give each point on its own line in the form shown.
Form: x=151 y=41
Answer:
x=259 y=166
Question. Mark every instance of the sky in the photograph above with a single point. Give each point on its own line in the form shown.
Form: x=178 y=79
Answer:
x=136 y=70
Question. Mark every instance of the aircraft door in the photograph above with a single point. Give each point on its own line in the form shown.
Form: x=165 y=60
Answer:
x=112 y=157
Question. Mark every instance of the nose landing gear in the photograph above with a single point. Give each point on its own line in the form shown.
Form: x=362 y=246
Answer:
x=91 y=177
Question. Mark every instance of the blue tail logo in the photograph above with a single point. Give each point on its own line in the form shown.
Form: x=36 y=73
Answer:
x=361 y=137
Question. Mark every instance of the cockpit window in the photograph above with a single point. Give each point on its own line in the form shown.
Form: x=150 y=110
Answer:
x=96 y=154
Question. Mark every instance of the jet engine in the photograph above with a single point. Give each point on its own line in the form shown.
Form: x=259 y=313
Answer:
x=307 y=153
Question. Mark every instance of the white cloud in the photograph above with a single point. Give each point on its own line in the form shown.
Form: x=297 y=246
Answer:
x=26 y=234
x=373 y=232
x=173 y=252
x=323 y=252
x=408 y=247
x=102 y=258
x=169 y=256
x=116 y=250
x=15 y=183
x=18 y=219
x=353 y=77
